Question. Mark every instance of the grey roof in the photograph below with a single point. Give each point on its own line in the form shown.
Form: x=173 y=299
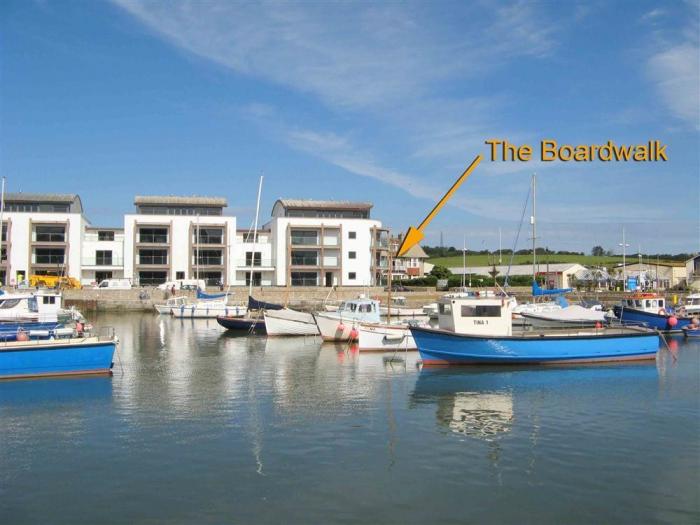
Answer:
x=67 y=198
x=330 y=205
x=177 y=200
x=416 y=252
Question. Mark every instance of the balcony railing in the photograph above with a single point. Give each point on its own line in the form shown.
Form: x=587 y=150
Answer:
x=304 y=241
x=102 y=261
x=48 y=259
x=304 y=261
x=208 y=261
x=257 y=263
x=153 y=239
x=49 y=237
x=153 y=260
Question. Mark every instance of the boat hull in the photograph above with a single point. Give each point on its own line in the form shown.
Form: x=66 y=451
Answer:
x=652 y=320
x=289 y=322
x=242 y=324
x=440 y=347
x=207 y=312
x=333 y=328
x=379 y=337
x=55 y=358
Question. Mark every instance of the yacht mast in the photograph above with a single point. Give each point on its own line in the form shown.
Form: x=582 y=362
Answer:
x=533 y=221
x=2 y=225
x=255 y=238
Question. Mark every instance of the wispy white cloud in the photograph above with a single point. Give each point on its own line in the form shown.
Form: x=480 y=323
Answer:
x=676 y=72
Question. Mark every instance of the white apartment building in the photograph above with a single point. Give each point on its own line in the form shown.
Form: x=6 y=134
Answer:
x=171 y=237
x=254 y=258
x=323 y=243
x=41 y=235
x=102 y=254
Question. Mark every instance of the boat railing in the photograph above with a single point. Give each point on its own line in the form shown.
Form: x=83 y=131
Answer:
x=572 y=329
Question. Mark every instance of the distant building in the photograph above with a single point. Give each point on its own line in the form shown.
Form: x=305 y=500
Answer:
x=322 y=243
x=692 y=270
x=171 y=237
x=41 y=235
x=411 y=265
x=653 y=275
x=254 y=258
x=556 y=275
x=102 y=254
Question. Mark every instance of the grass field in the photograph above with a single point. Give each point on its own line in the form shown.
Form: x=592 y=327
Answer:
x=487 y=260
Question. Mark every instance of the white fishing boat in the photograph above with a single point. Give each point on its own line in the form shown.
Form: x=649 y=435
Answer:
x=572 y=316
x=399 y=308
x=342 y=324
x=691 y=305
x=386 y=337
x=39 y=306
x=171 y=304
x=289 y=322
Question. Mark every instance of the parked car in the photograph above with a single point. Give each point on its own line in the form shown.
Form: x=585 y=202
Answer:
x=114 y=284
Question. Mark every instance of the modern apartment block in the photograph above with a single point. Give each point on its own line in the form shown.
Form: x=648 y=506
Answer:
x=322 y=243
x=102 y=254
x=254 y=258
x=41 y=235
x=172 y=237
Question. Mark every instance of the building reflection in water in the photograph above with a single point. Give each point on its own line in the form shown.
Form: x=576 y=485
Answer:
x=475 y=414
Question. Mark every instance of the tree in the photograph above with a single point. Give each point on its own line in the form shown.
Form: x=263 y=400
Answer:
x=598 y=251
x=441 y=272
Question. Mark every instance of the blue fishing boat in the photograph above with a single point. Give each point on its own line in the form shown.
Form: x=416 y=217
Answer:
x=649 y=309
x=75 y=356
x=479 y=330
x=691 y=330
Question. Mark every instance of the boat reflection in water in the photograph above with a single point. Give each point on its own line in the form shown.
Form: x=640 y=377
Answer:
x=484 y=403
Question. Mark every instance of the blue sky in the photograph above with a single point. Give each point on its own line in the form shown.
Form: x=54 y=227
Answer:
x=386 y=102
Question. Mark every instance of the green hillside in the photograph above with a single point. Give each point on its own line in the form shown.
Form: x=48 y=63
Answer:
x=487 y=260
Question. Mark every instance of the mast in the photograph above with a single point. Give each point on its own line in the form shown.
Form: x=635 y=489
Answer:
x=390 y=279
x=464 y=260
x=196 y=268
x=624 y=264
x=533 y=221
x=2 y=225
x=500 y=260
x=255 y=237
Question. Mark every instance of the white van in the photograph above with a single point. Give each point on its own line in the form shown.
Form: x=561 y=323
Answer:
x=183 y=284
x=114 y=284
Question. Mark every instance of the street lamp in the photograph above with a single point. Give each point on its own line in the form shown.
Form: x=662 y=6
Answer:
x=624 y=267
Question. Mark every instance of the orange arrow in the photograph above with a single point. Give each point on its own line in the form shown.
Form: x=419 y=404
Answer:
x=415 y=235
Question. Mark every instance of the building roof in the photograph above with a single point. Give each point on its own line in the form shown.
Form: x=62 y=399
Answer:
x=415 y=252
x=329 y=205
x=177 y=200
x=72 y=199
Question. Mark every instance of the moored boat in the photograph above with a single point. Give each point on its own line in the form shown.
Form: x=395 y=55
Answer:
x=208 y=310
x=342 y=324
x=171 y=304
x=572 y=316
x=649 y=309
x=242 y=324
x=289 y=322
x=74 y=356
x=479 y=330
x=383 y=336
x=399 y=308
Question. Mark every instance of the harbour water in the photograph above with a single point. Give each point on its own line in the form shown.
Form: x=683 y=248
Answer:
x=198 y=426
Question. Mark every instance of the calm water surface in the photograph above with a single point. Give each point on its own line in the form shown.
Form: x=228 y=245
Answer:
x=197 y=426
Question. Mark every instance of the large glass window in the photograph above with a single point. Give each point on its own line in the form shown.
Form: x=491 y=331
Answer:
x=305 y=237
x=153 y=256
x=253 y=258
x=208 y=257
x=304 y=258
x=49 y=255
x=211 y=278
x=152 y=278
x=103 y=257
x=481 y=311
x=304 y=279
x=153 y=235
x=257 y=278
x=50 y=233
x=179 y=210
x=209 y=235
x=105 y=235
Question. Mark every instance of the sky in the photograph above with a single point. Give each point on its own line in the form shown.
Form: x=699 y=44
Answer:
x=385 y=102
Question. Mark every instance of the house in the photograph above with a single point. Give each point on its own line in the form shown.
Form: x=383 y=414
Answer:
x=653 y=275
x=411 y=265
x=556 y=275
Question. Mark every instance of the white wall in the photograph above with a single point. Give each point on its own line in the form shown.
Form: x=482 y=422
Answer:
x=264 y=246
x=20 y=235
x=91 y=245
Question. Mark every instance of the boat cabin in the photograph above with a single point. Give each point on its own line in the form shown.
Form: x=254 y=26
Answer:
x=41 y=305
x=477 y=315
x=692 y=303
x=361 y=308
x=646 y=302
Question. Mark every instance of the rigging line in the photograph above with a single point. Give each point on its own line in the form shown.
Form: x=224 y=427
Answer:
x=517 y=236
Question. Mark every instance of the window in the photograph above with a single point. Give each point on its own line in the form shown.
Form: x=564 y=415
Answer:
x=366 y=308
x=4 y=232
x=101 y=276
x=105 y=235
x=211 y=278
x=481 y=311
x=304 y=279
x=103 y=257
x=352 y=255
x=149 y=209
x=49 y=255
x=209 y=235
x=179 y=275
x=257 y=278
x=9 y=303
x=3 y=254
x=153 y=256
x=50 y=233
x=445 y=308
x=208 y=257
x=152 y=278
x=304 y=237
x=333 y=214
x=49 y=299
x=253 y=258
x=352 y=276
x=153 y=235
x=304 y=258
x=352 y=235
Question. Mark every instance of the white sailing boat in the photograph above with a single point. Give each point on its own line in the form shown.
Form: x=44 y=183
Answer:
x=289 y=322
